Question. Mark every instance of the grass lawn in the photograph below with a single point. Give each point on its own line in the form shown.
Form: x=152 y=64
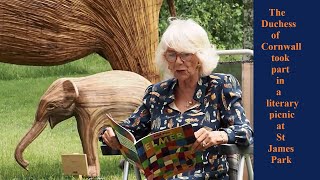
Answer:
x=18 y=103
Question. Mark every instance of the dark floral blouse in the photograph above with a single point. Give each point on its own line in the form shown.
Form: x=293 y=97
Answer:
x=218 y=107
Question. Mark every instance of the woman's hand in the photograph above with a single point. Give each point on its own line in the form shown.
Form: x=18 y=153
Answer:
x=206 y=138
x=110 y=139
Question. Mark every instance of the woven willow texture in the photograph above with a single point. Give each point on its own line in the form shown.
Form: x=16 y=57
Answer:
x=52 y=32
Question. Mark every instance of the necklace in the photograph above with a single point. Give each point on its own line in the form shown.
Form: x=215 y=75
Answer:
x=189 y=104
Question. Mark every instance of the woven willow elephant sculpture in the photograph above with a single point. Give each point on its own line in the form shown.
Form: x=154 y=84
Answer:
x=88 y=99
x=52 y=32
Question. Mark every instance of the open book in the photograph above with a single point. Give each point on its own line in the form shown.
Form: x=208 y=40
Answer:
x=162 y=154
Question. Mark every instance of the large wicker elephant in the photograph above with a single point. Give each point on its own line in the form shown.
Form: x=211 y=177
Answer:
x=88 y=99
x=52 y=32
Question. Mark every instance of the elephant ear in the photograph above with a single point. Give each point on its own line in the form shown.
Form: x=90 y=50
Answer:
x=70 y=93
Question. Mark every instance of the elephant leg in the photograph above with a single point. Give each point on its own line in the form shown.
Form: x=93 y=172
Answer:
x=89 y=146
x=89 y=140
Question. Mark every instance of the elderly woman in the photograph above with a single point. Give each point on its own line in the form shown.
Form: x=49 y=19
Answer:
x=211 y=102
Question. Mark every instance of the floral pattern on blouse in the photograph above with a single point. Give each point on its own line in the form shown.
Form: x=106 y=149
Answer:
x=218 y=107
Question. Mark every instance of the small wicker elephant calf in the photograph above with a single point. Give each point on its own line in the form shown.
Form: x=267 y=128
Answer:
x=88 y=99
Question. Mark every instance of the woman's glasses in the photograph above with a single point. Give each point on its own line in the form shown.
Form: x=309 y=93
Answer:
x=171 y=56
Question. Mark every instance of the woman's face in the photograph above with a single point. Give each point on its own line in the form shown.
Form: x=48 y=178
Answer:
x=182 y=65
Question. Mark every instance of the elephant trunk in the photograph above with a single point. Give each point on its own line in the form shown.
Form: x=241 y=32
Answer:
x=32 y=134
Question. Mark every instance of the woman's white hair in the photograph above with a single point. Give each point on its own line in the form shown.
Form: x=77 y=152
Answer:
x=186 y=36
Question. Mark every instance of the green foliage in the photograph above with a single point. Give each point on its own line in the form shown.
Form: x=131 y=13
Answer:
x=222 y=19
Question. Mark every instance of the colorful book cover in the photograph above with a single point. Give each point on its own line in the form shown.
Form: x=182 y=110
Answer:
x=162 y=154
